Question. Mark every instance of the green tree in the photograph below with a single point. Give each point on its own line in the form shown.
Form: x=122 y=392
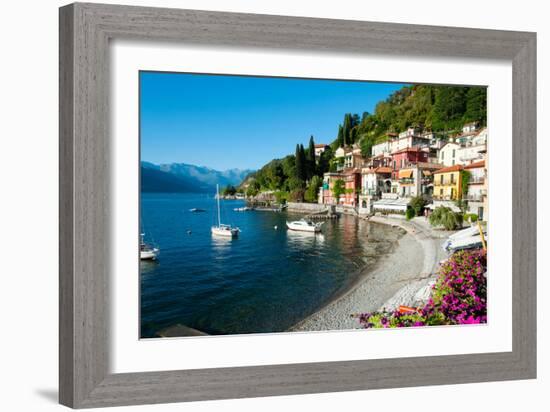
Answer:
x=444 y=216
x=301 y=167
x=229 y=190
x=339 y=142
x=476 y=105
x=465 y=177
x=311 y=194
x=311 y=164
x=323 y=165
x=417 y=203
x=338 y=189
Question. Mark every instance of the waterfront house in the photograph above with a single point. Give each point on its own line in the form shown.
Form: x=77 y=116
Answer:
x=326 y=195
x=375 y=181
x=477 y=188
x=417 y=179
x=448 y=183
x=352 y=180
x=448 y=154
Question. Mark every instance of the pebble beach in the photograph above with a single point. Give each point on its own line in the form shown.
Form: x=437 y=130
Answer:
x=397 y=278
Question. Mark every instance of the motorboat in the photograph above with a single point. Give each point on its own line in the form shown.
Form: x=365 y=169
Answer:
x=304 y=225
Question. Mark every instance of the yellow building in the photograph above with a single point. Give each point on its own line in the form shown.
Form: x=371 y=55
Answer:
x=448 y=183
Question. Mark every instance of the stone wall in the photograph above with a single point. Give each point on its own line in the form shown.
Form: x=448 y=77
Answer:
x=306 y=207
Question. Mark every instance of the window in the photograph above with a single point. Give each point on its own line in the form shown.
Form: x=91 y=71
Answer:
x=441 y=192
x=454 y=153
x=441 y=180
x=452 y=178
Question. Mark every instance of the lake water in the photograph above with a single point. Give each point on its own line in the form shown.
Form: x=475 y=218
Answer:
x=266 y=280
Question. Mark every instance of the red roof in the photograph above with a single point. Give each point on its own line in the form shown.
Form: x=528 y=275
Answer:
x=320 y=145
x=408 y=149
x=454 y=168
x=475 y=165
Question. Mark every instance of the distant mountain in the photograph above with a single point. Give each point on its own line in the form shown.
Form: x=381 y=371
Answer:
x=182 y=177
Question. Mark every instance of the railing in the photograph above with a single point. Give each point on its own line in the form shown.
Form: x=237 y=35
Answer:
x=477 y=179
x=406 y=180
x=474 y=197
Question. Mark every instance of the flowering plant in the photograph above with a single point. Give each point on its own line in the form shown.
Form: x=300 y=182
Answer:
x=458 y=297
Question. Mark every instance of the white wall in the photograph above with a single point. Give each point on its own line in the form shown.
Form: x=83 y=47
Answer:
x=28 y=234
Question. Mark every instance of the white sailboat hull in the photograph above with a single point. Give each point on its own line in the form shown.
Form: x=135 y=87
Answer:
x=148 y=254
x=225 y=232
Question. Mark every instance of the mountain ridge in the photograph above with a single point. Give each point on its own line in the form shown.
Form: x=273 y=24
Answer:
x=184 y=177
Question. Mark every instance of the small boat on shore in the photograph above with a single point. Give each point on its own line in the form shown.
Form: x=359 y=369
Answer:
x=147 y=251
x=304 y=226
x=221 y=229
x=197 y=210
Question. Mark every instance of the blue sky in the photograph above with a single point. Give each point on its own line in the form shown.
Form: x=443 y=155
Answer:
x=226 y=122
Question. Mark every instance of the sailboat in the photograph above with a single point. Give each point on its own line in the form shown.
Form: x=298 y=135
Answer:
x=146 y=251
x=221 y=229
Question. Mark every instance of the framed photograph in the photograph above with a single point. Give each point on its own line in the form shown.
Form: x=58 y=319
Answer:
x=257 y=205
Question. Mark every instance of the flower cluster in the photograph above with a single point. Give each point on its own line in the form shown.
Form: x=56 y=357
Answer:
x=458 y=297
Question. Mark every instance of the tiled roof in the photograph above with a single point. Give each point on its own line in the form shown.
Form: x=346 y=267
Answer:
x=449 y=169
x=475 y=165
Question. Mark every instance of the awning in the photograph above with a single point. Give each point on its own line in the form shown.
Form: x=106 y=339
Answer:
x=426 y=173
x=405 y=174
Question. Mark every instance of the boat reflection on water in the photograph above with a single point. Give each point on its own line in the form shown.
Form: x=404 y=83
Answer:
x=221 y=244
x=304 y=239
x=148 y=266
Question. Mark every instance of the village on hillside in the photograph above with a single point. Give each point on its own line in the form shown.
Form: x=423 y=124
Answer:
x=449 y=172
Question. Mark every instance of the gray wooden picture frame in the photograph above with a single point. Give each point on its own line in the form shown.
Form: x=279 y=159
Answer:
x=85 y=32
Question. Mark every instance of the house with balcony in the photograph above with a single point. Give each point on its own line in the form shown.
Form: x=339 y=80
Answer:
x=326 y=195
x=376 y=181
x=417 y=179
x=447 y=183
x=353 y=157
x=407 y=157
x=477 y=188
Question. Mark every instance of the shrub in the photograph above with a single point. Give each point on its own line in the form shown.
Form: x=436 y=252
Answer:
x=471 y=217
x=418 y=203
x=444 y=216
x=410 y=213
x=458 y=297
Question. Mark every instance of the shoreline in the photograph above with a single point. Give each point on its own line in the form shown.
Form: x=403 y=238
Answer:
x=397 y=278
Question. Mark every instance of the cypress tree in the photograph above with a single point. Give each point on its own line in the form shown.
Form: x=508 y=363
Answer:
x=340 y=138
x=301 y=168
x=311 y=158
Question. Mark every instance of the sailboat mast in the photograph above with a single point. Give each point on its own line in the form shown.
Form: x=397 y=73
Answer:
x=218 y=198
